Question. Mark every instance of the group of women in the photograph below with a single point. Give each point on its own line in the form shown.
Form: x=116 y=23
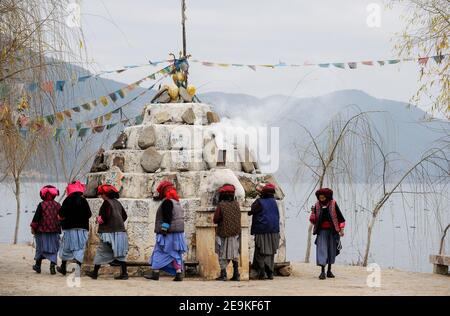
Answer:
x=72 y=218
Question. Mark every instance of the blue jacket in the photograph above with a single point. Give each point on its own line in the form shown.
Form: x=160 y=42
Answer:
x=267 y=220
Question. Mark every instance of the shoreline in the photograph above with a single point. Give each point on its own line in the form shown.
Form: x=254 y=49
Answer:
x=17 y=278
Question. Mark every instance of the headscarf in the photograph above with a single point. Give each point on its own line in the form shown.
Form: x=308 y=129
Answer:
x=328 y=193
x=48 y=193
x=75 y=186
x=106 y=188
x=167 y=190
x=265 y=189
x=227 y=188
x=268 y=188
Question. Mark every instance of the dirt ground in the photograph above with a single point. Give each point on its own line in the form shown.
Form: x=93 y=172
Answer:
x=17 y=278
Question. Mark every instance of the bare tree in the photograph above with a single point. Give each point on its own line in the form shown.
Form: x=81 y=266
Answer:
x=331 y=156
x=429 y=171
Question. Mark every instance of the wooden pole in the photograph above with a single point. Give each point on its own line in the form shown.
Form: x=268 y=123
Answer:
x=183 y=20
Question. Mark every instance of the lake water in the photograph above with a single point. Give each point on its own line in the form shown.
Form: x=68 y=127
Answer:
x=406 y=232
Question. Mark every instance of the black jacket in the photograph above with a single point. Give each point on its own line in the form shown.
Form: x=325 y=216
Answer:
x=75 y=212
x=113 y=215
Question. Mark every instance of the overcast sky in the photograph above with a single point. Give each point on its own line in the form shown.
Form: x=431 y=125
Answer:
x=121 y=32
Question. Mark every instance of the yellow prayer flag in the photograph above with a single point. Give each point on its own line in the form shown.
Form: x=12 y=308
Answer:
x=108 y=116
x=104 y=100
x=59 y=117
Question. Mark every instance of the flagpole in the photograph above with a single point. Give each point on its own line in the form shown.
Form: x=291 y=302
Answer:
x=183 y=20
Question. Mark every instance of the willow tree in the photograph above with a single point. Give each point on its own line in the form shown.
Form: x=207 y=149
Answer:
x=332 y=157
x=35 y=45
x=426 y=33
x=429 y=175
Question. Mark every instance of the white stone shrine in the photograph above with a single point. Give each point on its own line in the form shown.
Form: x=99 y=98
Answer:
x=178 y=142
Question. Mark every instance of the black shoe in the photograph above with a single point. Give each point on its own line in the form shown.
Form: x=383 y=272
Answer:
x=270 y=275
x=61 y=270
x=153 y=276
x=37 y=268
x=123 y=271
x=178 y=277
x=236 y=276
x=92 y=275
x=52 y=268
x=121 y=277
x=37 y=265
x=222 y=276
x=261 y=275
x=330 y=274
x=322 y=276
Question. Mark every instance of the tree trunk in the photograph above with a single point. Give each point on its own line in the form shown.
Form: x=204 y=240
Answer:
x=369 y=238
x=17 y=193
x=308 y=243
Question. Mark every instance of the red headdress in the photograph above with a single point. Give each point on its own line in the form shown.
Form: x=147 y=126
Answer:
x=49 y=192
x=328 y=193
x=106 y=188
x=167 y=190
x=269 y=187
x=227 y=188
x=75 y=186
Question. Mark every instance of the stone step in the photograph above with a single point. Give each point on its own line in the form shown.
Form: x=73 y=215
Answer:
x=172 y=113
x=171 y=160
x=165 y=137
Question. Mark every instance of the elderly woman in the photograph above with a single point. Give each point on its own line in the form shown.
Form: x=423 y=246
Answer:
x=169 y=228
x=113 y=245
x=228 y=219
x=266 y=228
x=329 y=227
x=74 y=215
x=46 y=229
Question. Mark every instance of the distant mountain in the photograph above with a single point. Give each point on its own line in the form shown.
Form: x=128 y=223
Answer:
x=402 y=128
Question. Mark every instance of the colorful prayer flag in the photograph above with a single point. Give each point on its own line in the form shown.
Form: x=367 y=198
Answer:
x=60 y=85
x=68 y=113
x=121 y=93
x=113 y=96
x=58 y=133
x=59 y=117
x=103 y=100
x=50 y=119
x=84 y=78
x=438 y=59
x=108 y=116
x=82 y=132
x=367 y=63
x=423 y=61
x=109 y=126
x=86 y=106
x=48 y=86
x=32 y=87
x=339 y=65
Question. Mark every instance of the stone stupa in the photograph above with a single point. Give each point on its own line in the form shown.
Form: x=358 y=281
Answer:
x=176 y=142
